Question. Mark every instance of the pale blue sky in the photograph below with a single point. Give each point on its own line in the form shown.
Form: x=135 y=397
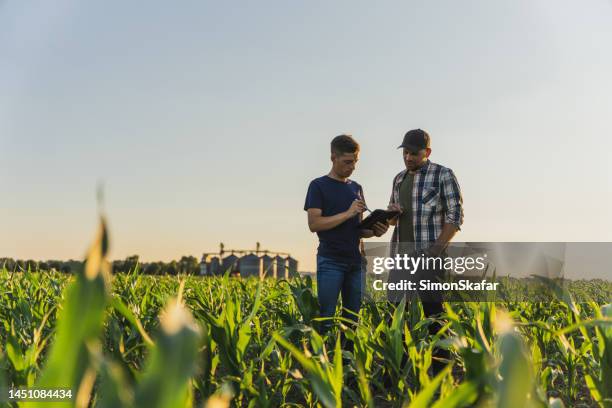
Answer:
x=207 y=120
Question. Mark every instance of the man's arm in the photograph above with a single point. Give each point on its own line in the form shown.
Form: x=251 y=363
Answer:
x=379 y=229
x=452 y=202
x=317 y=222
x=448 y=232
x=395 y=207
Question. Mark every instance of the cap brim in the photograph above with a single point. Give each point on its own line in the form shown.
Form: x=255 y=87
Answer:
x=411 y=147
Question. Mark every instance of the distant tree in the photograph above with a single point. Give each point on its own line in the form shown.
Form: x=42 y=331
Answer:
x=8 y=264
x=74 y=265
x=152 y=268
x=186 y=265
x=130 y=263
x=172 y=268
x=117 y=266
x=189 y=265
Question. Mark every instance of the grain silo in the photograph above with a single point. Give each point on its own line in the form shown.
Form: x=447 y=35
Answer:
x=281 y=267
x=213 y=266
x=292 y=267
x=250 y=265
x=268 y=267
x=229 y=263
x=203 y=267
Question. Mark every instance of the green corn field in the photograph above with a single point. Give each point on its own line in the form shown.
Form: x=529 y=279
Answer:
x=131 y=340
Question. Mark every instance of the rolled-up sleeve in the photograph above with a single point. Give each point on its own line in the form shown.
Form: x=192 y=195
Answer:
x=451 y=199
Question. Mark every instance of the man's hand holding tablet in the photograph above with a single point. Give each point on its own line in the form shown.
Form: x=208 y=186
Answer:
x=378 y=220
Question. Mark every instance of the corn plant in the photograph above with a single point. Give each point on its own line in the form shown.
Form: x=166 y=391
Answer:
x=132 y=340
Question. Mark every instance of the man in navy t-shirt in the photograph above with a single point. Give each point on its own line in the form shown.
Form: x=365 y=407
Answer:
x=334 y=205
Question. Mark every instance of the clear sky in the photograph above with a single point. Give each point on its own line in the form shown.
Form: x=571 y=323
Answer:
x=207 y=120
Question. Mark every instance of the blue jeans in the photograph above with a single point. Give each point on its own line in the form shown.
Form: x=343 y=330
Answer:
x=335 y=277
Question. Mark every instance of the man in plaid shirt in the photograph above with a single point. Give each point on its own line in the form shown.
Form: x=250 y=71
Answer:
x=428 y=197
x=436 y=212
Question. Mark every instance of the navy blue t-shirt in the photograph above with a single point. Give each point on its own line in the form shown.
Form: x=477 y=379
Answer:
x=333 y=197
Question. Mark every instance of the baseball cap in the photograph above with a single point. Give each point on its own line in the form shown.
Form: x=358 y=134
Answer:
x=415 y=140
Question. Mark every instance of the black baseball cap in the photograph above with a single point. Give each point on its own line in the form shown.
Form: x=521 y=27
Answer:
x=415 y=140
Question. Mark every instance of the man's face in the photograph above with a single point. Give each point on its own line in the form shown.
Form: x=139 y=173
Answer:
x=415 y=159
x=344 y=163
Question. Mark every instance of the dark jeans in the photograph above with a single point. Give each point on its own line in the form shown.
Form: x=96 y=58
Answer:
x=334 y=277
x=432 y=306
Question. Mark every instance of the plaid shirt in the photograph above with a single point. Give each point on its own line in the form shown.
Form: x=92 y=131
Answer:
x=436 y=200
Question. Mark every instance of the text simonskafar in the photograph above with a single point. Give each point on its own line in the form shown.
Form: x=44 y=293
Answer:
x=428 y=285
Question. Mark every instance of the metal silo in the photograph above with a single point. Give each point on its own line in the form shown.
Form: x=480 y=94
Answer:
x=213 y=266
x=229 y=262
x=268 y=267
x=250 y=265
x=204 y=265
x=292 y=267
x=281 y=267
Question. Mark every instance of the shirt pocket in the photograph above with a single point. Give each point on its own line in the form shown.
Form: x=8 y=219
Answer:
x=430 y=198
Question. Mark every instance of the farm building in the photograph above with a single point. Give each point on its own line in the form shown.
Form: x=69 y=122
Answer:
x=245 y=263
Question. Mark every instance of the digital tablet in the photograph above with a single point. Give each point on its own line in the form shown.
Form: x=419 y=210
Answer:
x=377 y=216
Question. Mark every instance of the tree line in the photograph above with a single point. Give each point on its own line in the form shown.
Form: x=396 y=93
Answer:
x=186 y=265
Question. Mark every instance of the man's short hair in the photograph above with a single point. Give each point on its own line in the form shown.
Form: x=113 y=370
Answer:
x=344 y=144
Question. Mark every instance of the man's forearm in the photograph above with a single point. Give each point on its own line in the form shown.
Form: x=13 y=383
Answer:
x=326 y=223
x=367 y=233
x=448 y=232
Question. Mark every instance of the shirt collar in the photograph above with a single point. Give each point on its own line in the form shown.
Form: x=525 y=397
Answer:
x=424 y=167
x=421 y=169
